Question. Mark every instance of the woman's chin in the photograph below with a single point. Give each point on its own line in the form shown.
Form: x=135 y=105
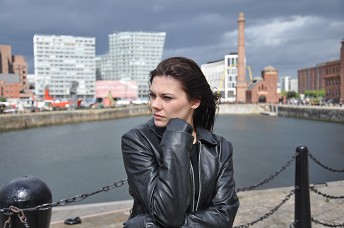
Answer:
x=160 y=123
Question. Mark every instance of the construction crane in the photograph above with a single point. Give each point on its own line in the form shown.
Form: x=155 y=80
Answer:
x=249 y=72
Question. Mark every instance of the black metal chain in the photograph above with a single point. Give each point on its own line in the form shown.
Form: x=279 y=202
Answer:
x=324 y=166
x=292 y=225
x=21 y=215
x=63 y=202
x=292 y=192
x=327 y=224
x=312 y=188
x=269 y=178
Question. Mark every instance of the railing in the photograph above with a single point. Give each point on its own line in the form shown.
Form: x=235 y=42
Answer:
x=19 y=215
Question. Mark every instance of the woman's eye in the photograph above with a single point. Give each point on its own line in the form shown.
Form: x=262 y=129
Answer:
x=167 y=98
x=152 y=95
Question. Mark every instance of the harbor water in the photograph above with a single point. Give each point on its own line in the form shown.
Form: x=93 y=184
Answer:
x=81 y=158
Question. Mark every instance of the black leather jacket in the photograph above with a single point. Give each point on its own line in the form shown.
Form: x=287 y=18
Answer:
x=160 y=177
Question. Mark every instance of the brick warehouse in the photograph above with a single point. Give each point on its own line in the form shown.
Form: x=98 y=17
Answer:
x=328 y=76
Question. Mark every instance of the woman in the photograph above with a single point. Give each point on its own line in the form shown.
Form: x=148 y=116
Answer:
x=180 y=174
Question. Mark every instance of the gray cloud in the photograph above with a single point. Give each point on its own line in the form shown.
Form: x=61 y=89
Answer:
x=285 y=34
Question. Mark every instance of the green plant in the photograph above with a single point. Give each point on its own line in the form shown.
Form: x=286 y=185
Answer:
x=315 y=93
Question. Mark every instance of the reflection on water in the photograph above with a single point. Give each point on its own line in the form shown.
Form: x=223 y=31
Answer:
x=81 y=158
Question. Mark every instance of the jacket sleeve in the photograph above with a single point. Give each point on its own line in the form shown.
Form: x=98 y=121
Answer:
x=225 y=203
x=162 y=185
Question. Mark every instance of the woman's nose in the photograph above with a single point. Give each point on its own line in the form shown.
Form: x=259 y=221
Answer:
x=155 y=103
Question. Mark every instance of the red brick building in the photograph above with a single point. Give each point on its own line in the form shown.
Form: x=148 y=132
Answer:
x=14 y=66
x=264 y=90
x=342 y=72
x=9 y=86
x=310 y=79
x=328 y=76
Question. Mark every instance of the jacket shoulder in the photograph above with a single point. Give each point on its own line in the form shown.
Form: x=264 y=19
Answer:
x=224 y=146
x=141 y=129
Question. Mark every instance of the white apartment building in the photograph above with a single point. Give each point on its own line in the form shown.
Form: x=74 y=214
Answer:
x=285 y=83
x=294 y=85
x=134 y=55
x=60 y=61
x=104 y=69
x=288 y=84
x=222 y=76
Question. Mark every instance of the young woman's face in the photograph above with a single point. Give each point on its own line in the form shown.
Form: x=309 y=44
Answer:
x=168 y=100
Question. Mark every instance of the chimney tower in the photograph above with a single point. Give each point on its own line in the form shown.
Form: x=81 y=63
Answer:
x=241 y=85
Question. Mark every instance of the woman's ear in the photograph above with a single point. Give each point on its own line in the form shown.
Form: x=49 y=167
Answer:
x=195 y=104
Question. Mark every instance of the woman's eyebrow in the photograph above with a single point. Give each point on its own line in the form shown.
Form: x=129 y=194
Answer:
x=163 y=94
x=167 y=94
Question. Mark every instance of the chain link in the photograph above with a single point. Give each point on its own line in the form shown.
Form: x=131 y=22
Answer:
x=8 y=222
x=21 y=215
x=292 y=225
x=312 y=188
x=327 y=224
x=324 y=166
x=292 y=192
x=268 y=179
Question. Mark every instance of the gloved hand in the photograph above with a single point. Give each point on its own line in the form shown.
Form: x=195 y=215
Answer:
x=176 y=124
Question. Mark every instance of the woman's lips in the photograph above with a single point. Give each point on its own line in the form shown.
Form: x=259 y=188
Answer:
x=158 y=116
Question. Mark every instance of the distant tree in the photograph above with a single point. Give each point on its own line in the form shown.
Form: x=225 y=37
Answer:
x=321 y=93
x=2 y=99
x=315 y=93
x=292 y=94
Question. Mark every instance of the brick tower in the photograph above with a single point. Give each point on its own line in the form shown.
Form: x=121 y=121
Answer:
x=241 y=85
x=342 y=72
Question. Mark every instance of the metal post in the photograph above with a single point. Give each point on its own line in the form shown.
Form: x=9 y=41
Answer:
x=302 y=199
x=21 y=193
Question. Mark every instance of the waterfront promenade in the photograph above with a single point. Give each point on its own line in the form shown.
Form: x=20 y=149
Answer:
x=254 y=204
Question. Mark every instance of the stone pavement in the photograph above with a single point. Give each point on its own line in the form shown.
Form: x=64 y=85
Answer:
x=254 y=204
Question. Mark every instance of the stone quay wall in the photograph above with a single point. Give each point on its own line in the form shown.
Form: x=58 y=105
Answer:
x=30 y=120
x=246 y=109
x=321 y=113
x=10 y=122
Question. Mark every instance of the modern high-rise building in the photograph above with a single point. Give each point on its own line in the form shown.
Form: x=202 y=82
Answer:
x=222 y=76
x=104 y=69
x=134 y=55
x=63 y=62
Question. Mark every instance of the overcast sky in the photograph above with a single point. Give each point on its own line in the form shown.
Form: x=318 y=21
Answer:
x=286 y=34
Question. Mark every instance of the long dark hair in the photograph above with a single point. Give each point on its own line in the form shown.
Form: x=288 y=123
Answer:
x=195 y=85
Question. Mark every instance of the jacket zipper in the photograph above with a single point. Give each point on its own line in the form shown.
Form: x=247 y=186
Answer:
x=193 y=188
x=199 y=174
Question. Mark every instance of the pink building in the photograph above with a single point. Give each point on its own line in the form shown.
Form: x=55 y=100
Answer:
x=122 y=89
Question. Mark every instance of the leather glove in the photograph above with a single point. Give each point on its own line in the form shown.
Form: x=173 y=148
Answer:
x=176 y=124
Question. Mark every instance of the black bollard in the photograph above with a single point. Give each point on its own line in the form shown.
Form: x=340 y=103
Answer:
x=302 y=198
x=25 y=192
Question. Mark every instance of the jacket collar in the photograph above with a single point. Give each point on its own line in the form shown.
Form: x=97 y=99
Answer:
x=202 y=134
